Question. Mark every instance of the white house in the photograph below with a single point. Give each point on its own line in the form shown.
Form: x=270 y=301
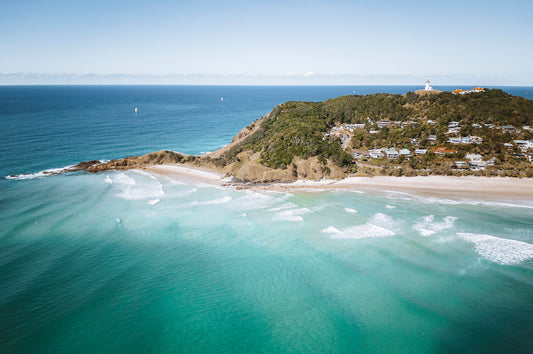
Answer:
x=421 y=151
x=375 y=153
x=428 y=86
x=453 y=124
x=392 y=154
x=405 y=153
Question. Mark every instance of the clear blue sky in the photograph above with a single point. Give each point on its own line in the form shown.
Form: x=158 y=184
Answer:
x=470 y=42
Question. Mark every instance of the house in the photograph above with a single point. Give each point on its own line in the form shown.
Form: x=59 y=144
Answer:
x=392 y=154
x=528 y=128
x=478 y=89
x=454 y=130
x=489 y=125
x=476 y=126
x=478 y=165
x=473 y=157
x=508 y=145
x=475 y=139
x=524 y=145
x=358 y=126
x=431 y=122
x=443 y=151
x=455 y=140
x=432 y=138
x=491 y=161
x=453 y=124
x=396 y=124
x=374 y=131
x=420 y=151
x=408 y=123
x=405 y=153
x=384 y=123
x=508 y=128
x=375 y=154
x=460 y=164
x=414 y=141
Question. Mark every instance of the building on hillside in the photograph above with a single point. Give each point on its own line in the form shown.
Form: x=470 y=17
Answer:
x=392 y=154
x=453 y=124
x=375 y=154
x=508 y=128
x=491 y=161
x=384 y=123
x=428 y=86
x=475 y=139
x=405 y=153
x=443 y=151
x=420 y=151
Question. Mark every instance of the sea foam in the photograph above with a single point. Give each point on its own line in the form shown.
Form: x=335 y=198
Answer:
x=427 y=225
x=131 y=190
x=378 y=225
x=499 y=250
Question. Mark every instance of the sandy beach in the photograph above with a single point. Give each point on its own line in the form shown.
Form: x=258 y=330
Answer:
x=493 y=188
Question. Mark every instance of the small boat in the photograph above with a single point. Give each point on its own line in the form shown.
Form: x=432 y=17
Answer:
x=221 y=99
x=136 y=110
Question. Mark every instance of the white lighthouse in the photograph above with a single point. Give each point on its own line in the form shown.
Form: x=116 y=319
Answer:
x=428 y=86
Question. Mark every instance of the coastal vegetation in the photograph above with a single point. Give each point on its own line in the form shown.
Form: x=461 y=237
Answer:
x=492 y=118
x=440 y=133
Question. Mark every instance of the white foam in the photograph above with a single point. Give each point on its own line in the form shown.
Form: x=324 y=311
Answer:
x=390 y=207
x=444 y=201
x=222 y=200
x=427 y=226
x=122 y=178
x=131 y=190
x=293 y=214
x=45 y=173
x=283 y=207
x=349 y=210
x=383 y=220
x=499 y=250
x=367 y=230
x=331 y=230
x=153 y=201
x=108 y=180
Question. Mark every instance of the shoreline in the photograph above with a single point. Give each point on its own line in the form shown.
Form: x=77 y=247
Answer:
x=466 y=187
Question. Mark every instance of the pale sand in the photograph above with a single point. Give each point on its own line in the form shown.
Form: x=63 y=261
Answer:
x=189 y=174
x=494 y=188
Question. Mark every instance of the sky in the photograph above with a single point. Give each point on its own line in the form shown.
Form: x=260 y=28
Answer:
x=266 y=42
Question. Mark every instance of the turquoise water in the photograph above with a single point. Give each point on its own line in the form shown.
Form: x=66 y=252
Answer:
x=137 y=262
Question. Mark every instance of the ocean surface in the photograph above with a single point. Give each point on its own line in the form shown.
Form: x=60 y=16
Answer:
x=132 y=262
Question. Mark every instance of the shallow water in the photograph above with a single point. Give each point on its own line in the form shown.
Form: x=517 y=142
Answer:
x=137 y=262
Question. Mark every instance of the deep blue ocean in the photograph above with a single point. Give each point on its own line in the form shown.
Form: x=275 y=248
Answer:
x=138 y=262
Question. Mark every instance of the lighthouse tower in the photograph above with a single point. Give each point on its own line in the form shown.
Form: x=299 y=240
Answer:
x=428 y=86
